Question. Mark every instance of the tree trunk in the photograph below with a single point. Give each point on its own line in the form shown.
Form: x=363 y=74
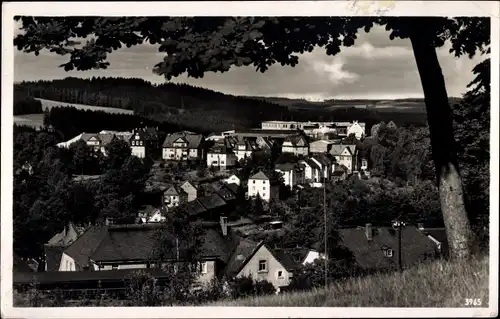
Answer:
x=439 y=117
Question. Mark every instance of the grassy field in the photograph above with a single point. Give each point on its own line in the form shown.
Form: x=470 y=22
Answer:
x=48 y=104
x=439 y=284
x=36 y=120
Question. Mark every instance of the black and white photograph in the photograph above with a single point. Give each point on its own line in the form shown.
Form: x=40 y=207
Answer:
x=289 y=158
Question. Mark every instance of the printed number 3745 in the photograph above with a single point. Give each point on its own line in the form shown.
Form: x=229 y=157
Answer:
x=473 y=302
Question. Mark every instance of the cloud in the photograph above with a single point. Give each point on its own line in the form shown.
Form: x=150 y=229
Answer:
x=375 y=67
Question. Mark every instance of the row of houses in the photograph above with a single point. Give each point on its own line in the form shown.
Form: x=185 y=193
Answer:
x=319 y=130
x=224 y=253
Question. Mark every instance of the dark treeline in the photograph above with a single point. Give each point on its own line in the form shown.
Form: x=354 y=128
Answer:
x=198 y=108
x=169 y=100
x=25 y=104
x=69 y=122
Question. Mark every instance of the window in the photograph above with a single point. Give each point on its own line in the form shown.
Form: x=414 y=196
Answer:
x=222 y=163
x=254 y=181
x=203 y=267
x=253 y=188
x=280 y=274
x=262 y=266
x=264 y=188
x=140 y=143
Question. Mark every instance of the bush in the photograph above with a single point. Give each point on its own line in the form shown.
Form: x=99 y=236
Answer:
x=246 y=286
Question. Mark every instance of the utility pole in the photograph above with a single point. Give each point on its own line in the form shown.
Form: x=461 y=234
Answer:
x=326 y=229
x=398 y=225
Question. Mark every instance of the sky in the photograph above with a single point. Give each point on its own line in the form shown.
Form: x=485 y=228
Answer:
x=374 y=68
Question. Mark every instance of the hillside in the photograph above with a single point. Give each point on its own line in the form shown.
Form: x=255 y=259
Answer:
x=439 y=284
x=201 y=109
x=174 y=103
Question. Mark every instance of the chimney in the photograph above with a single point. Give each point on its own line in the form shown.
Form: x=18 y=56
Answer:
x=369 y=232
x=223 y=225
x=420 y=226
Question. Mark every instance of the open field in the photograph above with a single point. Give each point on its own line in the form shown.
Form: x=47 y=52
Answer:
x=33 y=120
x=48 y=104
x=439 y=284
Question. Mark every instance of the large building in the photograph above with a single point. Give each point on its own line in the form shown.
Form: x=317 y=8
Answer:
x=183 y=146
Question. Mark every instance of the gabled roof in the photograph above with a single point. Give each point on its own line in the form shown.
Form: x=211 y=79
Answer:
x=194 y=208
x=137 y=242
x=311 y=163
x=174 y=191
x=279 y=254
x=226 y=194
x=212 y=201
x=19 y=265
x=66 y=236
x=194 y=140
x=106 y=138
x=323 y=159
x=369 y=254
x=260 y=176
x=233 y=188
x=295 y=139
x=86 y=244
x=243 y=250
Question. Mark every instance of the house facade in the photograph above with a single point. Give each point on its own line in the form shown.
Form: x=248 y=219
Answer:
x=244 y=148
x=312 y=172
x=320 y=146
x=293 y=175
x=260 y=184
x=190 y=190
x=345 y=155
x=295 y=144
x=138 y=143
x=268 y=264
x=183 y=146
x=175 y=196
x=357 y=128
x=221 y=157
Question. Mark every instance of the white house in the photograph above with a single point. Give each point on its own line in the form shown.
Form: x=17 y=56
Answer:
x=138 y=143
x=175 y=196
x=292 y=174
x=221 y=157
x=244 y=149
x=260 y=184
x=312 y=171
x=356 y=128
x=265 y=263
x=295 y=144
x=233 y=179
x=345 y=155
x=183 y=146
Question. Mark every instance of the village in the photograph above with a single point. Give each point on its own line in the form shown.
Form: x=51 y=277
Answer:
x=206 y=183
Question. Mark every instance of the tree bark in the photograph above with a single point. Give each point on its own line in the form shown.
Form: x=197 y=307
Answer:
x=439 y=117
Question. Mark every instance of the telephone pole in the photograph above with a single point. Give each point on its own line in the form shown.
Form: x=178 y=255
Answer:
x=326 y=229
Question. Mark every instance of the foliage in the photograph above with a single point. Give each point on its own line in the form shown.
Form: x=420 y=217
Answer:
x=423 y=287
x=246 y=286
x=26 y=104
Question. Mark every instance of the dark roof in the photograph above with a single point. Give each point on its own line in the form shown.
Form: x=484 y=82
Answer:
x=85 y=245
x=285 y=166
x=297 y=254
x=243 y=250
x=174 y=191
x=295 y=139
x=194 y=208
x=212 y=201
x=226 y=194
x=53 y=256
x=233 y=188
x=338 y=173
x=137 y=242
x=369 y=255
x=284 y=258
x=440 y=235
x=19 y=265
x=312 y=163
x=260 y=175
x=193 y=140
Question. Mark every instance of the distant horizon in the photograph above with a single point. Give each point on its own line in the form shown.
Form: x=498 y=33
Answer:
x=311 y=100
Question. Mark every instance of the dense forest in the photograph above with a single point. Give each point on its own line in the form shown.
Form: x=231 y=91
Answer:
x=68 y=122
x=24 y=104
x=198 y=108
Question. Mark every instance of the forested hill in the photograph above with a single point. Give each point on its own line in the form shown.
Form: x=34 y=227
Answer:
x=174 y=103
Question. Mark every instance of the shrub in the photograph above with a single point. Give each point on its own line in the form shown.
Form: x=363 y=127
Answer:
x=246 y=286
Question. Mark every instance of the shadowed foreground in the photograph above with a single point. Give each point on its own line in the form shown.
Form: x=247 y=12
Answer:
x=439 y=284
